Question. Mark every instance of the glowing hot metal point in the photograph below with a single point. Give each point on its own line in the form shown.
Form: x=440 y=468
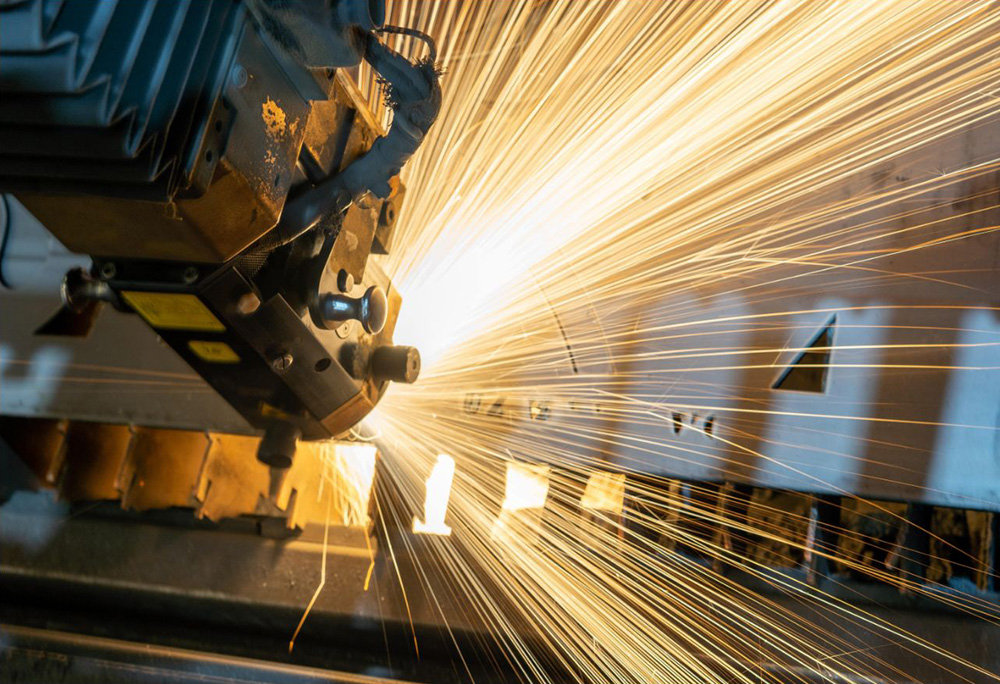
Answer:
x=436 y=499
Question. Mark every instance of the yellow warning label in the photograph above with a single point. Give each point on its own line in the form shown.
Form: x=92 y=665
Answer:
x=173 y=311
x=213 y=352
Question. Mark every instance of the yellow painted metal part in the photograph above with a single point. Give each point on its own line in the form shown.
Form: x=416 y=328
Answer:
x=216 y=475
x=213 y=352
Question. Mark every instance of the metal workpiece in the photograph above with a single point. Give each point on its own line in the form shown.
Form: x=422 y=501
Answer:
x=396 y=363
x=72 y=657
x=371 y=309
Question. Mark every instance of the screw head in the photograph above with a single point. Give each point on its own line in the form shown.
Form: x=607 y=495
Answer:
x=247 y=304
x=282 y=362
x=190 y=275
x=344 y=331
x=239 y=76
x=108 y=271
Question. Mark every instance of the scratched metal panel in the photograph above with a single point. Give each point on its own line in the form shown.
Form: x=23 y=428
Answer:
x=700 y=393
x=931 y=435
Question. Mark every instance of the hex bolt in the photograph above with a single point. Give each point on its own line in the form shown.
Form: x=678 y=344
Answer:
x=282 y=362
x=247 y=304
x=190 y=275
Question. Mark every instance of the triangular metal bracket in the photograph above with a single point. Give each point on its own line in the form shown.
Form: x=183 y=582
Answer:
x=809 y=369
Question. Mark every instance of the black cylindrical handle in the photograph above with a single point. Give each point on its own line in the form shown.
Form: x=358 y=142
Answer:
x=277 y=448
x=399 y=364
x=371 y=309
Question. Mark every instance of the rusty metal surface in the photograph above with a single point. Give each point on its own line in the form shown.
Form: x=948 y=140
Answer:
x=259 y=129
x=93 y=460
x=232 y=482
x=216 y=475
x=162 y=468
x=251 y=179
x=38 y=442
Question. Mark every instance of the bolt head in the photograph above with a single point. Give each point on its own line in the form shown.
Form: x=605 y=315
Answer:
x=247 y=304
x=239 y=76
x=190 y=275
x=345 y=330
x=282 y=362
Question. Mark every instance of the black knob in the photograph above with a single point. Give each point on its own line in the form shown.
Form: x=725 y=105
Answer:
x=399 y=364
x=371 y=309
x=277 y=448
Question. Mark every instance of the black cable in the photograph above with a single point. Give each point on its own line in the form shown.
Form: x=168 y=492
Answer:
x=7 y=223
x=420 y=35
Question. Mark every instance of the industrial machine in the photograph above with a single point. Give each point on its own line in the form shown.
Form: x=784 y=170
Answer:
x=198 y=199
x=218 y=164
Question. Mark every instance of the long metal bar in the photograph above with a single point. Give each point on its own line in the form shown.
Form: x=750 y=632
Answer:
x=31 y=654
